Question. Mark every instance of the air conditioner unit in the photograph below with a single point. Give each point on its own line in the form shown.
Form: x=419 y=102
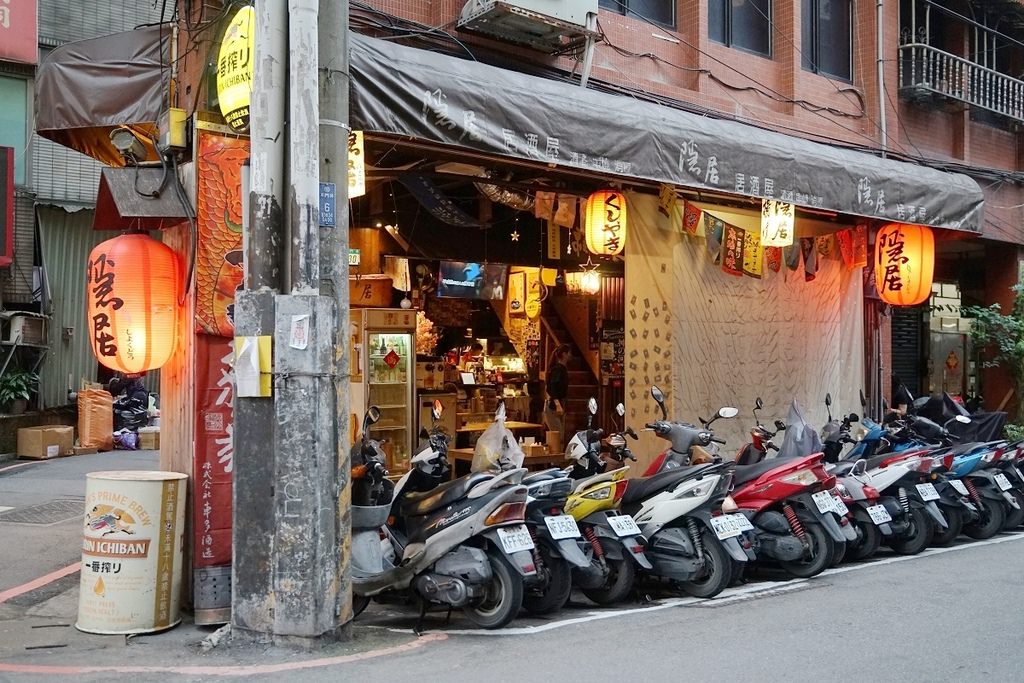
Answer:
x=552 y=26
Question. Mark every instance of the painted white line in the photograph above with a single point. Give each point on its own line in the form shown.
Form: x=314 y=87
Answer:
x=727 y=596
x=4 y=508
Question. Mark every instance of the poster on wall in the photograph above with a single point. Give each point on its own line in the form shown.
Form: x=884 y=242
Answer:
x=214 y=451
x=613 y=350
x=219 y=219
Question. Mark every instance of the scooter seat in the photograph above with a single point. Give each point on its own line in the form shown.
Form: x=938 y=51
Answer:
x=745 y=473
x=553 y=473
x=415 y=504
x=643 y=488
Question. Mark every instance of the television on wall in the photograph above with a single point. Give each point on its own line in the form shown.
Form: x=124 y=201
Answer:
x=470 y=280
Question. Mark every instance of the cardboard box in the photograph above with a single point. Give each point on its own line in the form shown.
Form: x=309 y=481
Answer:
x=149 y=438
x=41 y=443
x=85 y=450
x=535 y=449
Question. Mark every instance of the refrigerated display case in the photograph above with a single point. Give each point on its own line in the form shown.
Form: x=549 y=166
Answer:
x=387 y=350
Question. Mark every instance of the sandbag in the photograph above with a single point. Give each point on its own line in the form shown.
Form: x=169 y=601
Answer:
x=95 y=419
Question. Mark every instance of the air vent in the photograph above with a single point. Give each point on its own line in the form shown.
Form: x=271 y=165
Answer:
x=552 y=26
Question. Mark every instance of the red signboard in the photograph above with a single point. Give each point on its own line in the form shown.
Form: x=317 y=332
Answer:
x=6 y=205
x=214 y=459
x=19 y=38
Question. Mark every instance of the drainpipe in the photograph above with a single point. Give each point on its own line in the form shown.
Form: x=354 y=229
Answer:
x=879 y=7
x=588 y=57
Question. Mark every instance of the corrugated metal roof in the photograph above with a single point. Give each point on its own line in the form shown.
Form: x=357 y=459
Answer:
x=66 y=239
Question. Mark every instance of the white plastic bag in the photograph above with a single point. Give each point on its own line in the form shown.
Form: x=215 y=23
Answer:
x=801 y=438
x=496 y=449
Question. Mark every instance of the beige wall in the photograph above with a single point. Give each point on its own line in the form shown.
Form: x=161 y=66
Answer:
x=710 y=339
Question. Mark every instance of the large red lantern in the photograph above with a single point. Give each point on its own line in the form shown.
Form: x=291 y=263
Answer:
x=132 y=302
x=606 y=222
x=904 y=263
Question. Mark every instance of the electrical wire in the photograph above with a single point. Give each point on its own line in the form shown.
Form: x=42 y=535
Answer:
x=193 y=230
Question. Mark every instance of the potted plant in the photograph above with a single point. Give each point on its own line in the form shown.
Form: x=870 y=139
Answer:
x=16 y=387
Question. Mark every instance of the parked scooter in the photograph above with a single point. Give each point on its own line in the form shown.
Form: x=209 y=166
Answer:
x=461 y=544
x=613 y=541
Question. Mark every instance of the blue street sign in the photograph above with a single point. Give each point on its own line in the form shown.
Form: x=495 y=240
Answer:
x=328 y=204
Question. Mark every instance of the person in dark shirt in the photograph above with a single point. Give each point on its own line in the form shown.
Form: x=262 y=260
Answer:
x=557 y=387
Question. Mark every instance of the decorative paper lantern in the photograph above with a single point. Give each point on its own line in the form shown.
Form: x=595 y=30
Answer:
x=132 y=296
x=904 y=261
x=591 y=282
x=606 y=222
x=777 y=219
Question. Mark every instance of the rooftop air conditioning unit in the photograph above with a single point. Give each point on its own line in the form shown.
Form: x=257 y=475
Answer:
x=553 y=26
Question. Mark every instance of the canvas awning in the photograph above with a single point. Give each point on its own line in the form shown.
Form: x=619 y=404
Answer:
x=87 y=88
x=451 y=101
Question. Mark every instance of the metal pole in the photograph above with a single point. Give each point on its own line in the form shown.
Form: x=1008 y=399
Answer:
x=303 y=144
x=879 y=20
x=334 y=130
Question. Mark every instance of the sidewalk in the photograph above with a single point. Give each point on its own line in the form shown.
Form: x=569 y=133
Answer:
x=39 y=584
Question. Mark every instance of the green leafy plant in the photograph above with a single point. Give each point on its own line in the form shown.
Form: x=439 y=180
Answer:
x=17 y=384
x=998 y=341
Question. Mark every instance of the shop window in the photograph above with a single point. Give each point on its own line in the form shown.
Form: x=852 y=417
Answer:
x=744 y=24
x=827 y=37
x=661 y=12
x=13 y=117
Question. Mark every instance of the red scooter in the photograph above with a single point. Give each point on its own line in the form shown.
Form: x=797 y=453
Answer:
x=791 y=506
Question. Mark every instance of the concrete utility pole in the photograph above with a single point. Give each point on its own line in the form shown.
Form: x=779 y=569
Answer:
x=289 y=582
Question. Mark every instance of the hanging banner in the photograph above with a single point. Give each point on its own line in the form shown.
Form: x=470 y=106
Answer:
x=808 y=249
x=732 y=249
x=219 y=217
x=544 y=205
x=691 y=218
x=860 y=246
x=214 y=451
x=437 y=203
x=356 y=165
x=666 y=200
x=565 y=214
x=774 y=257
x=713 y=231
x=791 y=255
x=753 y=254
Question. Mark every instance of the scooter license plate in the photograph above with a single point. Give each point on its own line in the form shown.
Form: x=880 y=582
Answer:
x=727 y=526
x=623 y=525
x=562 y=526
x=841 y=506
x=959 y=486
x=1003 y=483
x=515 y=538
x=879 y=515
x=927 y=491
x=824 y=501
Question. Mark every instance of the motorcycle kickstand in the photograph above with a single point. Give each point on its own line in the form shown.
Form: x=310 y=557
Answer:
x=418 y=628
x=448 y=617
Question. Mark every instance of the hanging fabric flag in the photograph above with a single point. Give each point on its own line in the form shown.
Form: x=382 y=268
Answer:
x=845 y=240
x=792 y=255
x=732 y=249
x=666 y=200
x=544 y=207
x=437 y=203
x=753 y=254
x=774 y=257
x=691 y=218
x=565 y=214
x=860 y=246
x=810 y=254
x=713 y=230
x=826 y=245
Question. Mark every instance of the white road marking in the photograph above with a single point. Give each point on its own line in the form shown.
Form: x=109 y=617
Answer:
x=5 y=509
x=728 y=595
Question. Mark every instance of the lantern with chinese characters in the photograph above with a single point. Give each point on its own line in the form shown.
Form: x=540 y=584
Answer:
x=776 y=223
x=904 y=261
x=132 y=302
x=606 y=222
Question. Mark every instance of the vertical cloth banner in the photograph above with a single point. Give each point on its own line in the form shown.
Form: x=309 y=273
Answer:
x=808 y=248
x=732 y=249
x=565 y=214
x=774 y=257
x=214 y=451
x=544 y=205
x=691 y=218
x=753 y=254
x=860 y=246
x=219 y=217
x=666 y=200
x=791 y=254
x=714 y=228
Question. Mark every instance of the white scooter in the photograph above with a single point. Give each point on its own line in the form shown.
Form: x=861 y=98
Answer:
x=461 y=544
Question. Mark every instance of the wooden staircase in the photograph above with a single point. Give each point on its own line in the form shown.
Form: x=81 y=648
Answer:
x=582 y=383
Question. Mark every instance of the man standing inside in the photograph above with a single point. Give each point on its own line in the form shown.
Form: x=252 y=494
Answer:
x=557 y=389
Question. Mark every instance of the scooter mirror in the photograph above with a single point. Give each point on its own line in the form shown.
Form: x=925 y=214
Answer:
x=863 y=400
x=758 y=403
x=853 y=417
x=620 y=409
x=860 y=467
x=779 y=425
x=592 y=405
x=373 y=414
x=659 y=397
x=727 y=412
x=828 y=400
x=438 y=409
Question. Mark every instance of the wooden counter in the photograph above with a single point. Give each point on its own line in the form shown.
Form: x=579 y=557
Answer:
x=461 y=459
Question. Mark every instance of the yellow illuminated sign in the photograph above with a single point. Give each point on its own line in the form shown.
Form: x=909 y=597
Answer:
x=356 y=165
x=234 y=68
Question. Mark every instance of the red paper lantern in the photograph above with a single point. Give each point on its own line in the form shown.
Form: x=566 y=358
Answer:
x=132 y=302
x=904 y=263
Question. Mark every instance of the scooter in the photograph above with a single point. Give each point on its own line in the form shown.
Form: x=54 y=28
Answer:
x=613 y=541
x=462 y=544
x=679 y=511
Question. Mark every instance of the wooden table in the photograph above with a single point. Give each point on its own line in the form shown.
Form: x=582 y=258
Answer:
x=464 y=457
x=512 y=425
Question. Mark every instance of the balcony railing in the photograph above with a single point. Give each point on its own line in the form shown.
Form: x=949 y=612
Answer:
x=924 y=70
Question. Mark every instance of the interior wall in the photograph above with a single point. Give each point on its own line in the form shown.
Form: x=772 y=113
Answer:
x=711 y=339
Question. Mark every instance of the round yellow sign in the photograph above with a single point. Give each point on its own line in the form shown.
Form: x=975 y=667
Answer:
x=234 y=69
x=532 y=308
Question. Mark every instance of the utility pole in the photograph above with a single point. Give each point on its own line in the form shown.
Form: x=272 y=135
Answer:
x=289 y=585
x=334 y=130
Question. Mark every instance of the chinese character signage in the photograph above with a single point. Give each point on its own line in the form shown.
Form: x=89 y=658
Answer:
x=19 y=37
x=235 y=68
x=777 y=219
x=904 y=261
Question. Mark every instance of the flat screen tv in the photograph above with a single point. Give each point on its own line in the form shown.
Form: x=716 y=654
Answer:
x=469 y=280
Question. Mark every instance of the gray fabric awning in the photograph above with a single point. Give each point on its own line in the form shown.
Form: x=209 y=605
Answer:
x=410 y=92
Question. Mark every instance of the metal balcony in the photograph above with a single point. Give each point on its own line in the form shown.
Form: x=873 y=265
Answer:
x=926 y=72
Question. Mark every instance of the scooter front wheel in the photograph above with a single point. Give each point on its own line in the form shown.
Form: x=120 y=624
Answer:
x=1014 y=516
x=817 y=557
x=617 y=583
x=870 y=541
x=503 y=599
x=552 y=592
x=990 y=522
x=918 y=535
x=716 y=573
x=954 y=525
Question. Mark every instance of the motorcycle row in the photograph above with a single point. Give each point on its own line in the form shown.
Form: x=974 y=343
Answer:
x=494 y=542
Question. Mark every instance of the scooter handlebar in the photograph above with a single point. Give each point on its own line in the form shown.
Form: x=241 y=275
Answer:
x=717 y=440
